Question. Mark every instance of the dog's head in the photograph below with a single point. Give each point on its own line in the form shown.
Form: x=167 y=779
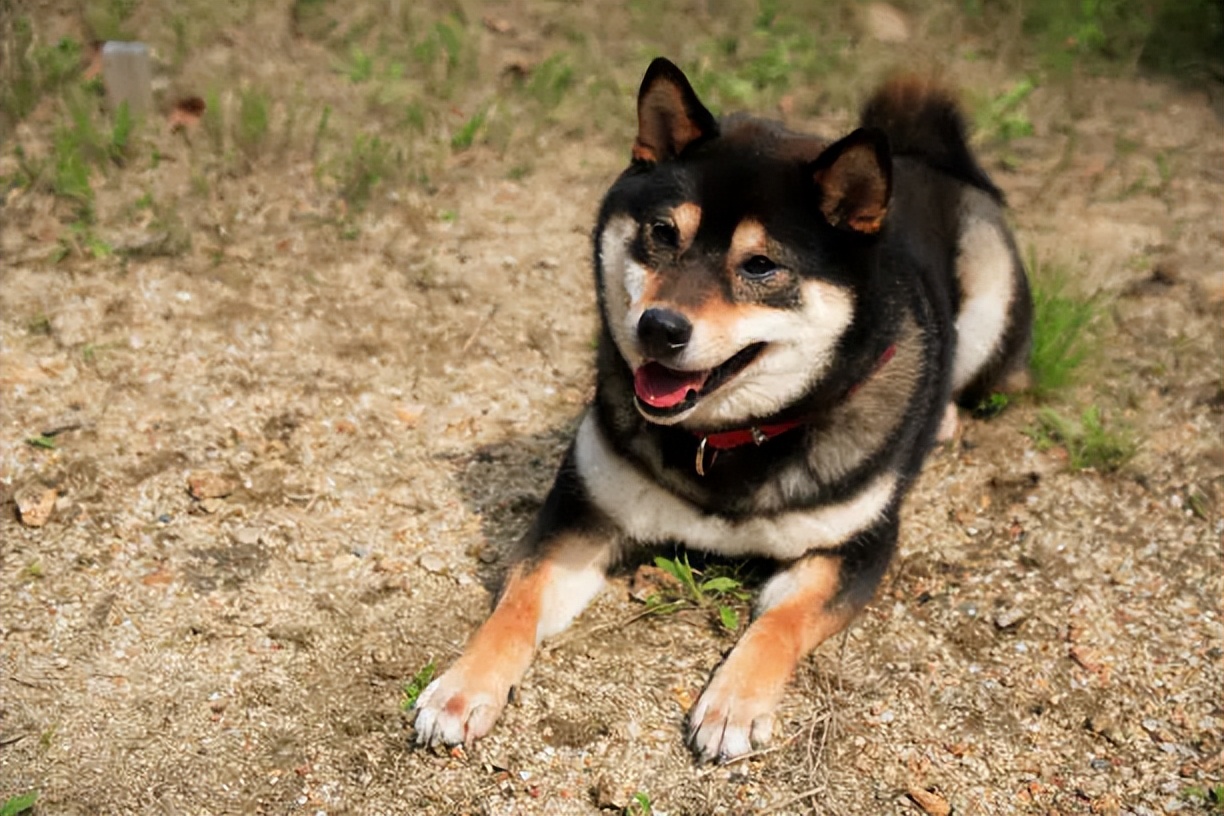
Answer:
x=732 y=256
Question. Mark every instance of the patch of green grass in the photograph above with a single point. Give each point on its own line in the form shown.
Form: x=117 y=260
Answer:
x=251 y=129
x=1209 y=797
x=368 y=162
x=414 y=687
x=1063 y=323
x=1003 y=117
x=1088 y=442
x=16 y=805
x=639 y=805
x=360 y=65
x=108 y=19
x=550 y=81
x=41 y=441
x=992 y=406
x=466 y=135
x=31 y=71
x=721 y=592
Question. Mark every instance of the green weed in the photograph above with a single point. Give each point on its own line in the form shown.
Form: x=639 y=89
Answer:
x=990 y=407
x=1063 y=323
x=464 y=137
x=31 y=71
x=639 y=806
x=360 y=65
x=414 y=687
x=1209 y=797
x=107 y=19
x=41 y=441
x=550 y=81
x=251 y=130
x=720 y=593
x=1003 y=118
x=1089 y=444
x=16 y=805
x=368 y=162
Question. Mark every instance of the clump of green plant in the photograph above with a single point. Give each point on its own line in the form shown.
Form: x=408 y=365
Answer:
x=991 y=406
x=550 y=81
x=370 y=161
x=1209 y=797
x=31 y=70
x=414 y=687
x=466 y=134
x=1063 y=323
x=721 y=592
x=16 y=805
x=639 y=805
x=251 y=129
x=1088 y=442
x=1003 y=117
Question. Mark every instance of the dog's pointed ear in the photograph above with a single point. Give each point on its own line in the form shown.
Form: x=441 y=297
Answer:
x=854 y=175
x=670 y=117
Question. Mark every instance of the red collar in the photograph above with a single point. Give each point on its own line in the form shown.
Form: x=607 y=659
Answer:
x=760 y=434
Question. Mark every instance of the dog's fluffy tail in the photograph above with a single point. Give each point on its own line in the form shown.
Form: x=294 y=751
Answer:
x=924 y=122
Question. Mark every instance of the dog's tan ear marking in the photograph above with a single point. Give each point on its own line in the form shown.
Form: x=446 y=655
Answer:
x=670 y=117
x=855 y=180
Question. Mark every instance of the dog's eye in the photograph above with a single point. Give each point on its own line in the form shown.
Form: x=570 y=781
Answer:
x=758 y=267
x=663 y=234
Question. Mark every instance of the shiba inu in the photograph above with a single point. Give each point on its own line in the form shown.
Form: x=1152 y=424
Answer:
x=786 y=324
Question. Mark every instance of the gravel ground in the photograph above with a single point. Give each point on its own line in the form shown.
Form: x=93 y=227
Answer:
x=285 y=465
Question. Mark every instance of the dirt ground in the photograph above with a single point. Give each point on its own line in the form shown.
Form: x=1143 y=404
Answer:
x=285 y=462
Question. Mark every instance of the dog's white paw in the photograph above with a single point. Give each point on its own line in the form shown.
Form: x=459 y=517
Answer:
x=730 y=719
x=458 y=709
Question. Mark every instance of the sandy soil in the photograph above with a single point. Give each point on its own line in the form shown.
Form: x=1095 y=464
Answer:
x=367 y=424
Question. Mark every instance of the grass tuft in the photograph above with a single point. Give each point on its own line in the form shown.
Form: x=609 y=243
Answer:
x=1089 y=444
x=1063 y=328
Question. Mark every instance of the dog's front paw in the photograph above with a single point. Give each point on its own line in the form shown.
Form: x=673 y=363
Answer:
x=459 y=707
x=731 y=718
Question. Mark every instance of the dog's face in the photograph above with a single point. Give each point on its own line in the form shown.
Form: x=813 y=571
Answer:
x=724 y=257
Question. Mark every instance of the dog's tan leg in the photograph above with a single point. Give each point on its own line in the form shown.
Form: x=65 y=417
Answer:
x=539 y=599
x=796 y=614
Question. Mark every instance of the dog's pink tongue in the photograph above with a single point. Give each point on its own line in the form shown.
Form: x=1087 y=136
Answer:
x=661 y=387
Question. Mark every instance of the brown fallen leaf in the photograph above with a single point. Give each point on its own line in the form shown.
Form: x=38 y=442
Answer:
x=931 y=803
x=158 y=577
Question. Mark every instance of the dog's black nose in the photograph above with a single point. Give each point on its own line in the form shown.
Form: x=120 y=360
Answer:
x=663 y=333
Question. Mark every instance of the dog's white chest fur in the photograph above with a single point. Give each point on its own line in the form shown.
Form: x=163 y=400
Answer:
x=648 y=513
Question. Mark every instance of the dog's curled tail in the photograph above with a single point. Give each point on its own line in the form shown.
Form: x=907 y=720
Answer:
x=923 y=121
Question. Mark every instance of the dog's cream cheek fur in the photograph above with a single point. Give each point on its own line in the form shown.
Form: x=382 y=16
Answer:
x=623 y=284
x=801 y=346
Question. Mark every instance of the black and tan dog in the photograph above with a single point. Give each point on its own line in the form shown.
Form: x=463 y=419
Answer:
x=786 y=325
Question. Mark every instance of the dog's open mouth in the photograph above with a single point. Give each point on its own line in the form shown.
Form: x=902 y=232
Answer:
x=664 y=392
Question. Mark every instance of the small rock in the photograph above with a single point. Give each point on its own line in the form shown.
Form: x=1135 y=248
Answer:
x=930 y=802
x=247 y=536
x=35 y=505
x=207 y=484
x=432 y=562
x=211 y=506
x=887 y=23
x=1009 y=618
